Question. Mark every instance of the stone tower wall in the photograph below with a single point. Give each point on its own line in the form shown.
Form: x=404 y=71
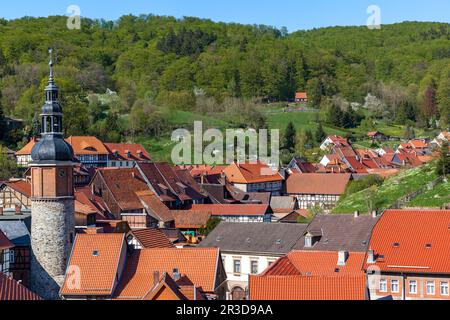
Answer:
x=52 y=235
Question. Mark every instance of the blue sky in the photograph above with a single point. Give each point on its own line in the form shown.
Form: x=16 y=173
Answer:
x=294 y=14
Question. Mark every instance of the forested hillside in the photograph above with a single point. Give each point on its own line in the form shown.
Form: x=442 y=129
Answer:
x=160 y=64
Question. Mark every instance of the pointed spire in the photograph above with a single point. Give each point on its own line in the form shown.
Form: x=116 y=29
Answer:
x=50 y=79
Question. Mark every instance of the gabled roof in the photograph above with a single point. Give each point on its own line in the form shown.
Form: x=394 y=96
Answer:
x=26 y=150
x=414 y=241
x=317 y=183
x=127 y=152
x=169 y=289
x=317 y=263
x=307 y=288
x=340 y=232
x=301 y=95
x=123 y=184
x=199 y=265
x=11 y=290
x=97 y=258
x=152 y=238
x=251 y=173
x=233 y=209
x=154 y=206
x=86 y=145
x=20 y=186
x=4 y=242
x=191 y=219
x=274 y=238
x=169 y=183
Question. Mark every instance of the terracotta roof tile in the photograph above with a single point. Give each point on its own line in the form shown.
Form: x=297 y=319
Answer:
x=97 y=257
x=20 y=186
x=127 y=152
x=11 y=290
x=317 y=183
x=154 y=206
x=26 y=150
x=199 y=265
x=124 y=183
x=301 y=95
x=307 y=288
x=86 y=145
x=233 y=209
x=251 y=173
x=191 y=219
x=319 y=263
x=416 y=241
x=152 y=238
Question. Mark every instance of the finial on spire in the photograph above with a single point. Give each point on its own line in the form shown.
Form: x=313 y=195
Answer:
x=50 y=51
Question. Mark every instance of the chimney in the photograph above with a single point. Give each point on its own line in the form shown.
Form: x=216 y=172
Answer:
x=1 y=211
x=342 y=258
x=356 y=214
x=133 y=175
x=176 y=274
x=374 y=214
x=155 y=278
x=370 y=256
x=18 y=209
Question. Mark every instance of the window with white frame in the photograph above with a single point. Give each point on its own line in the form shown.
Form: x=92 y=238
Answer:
x=431 y=290
x=413 y=287
x=395 y=286
x=237 y=267
x=254 y=267
x=444 y=289
x=383 y=285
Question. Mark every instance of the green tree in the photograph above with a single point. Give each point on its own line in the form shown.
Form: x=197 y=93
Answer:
x=443 y=165
x=210 y=226
x=320 y=135
x=290 y=137
x=8 y=167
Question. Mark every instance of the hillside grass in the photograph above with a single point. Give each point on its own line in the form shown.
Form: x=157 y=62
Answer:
x=435 y=198
x=389 y=192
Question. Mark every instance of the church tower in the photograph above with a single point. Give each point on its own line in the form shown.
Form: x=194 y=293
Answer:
x=52 y=196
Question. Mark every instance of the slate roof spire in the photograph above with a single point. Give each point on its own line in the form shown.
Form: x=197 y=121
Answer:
x=52 y=147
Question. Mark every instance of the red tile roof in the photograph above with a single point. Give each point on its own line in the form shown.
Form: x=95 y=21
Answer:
x=199 y=265
x=191 y=219
x=301 y=95
x=152 y=238
x=20 y=186
x=317 y=263
x=127 y=152
x=86 y=145
x=26 y=150
x=251 y=173
x=4 y=242
x=415 y=241
x=11 y=290
x=233 y=209
x=123 y=184
x=154 y=206
x=97 y=258
x=317 y=183
x=307 y=288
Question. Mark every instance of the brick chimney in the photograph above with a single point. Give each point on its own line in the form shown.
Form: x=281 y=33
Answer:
x=18 y=209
